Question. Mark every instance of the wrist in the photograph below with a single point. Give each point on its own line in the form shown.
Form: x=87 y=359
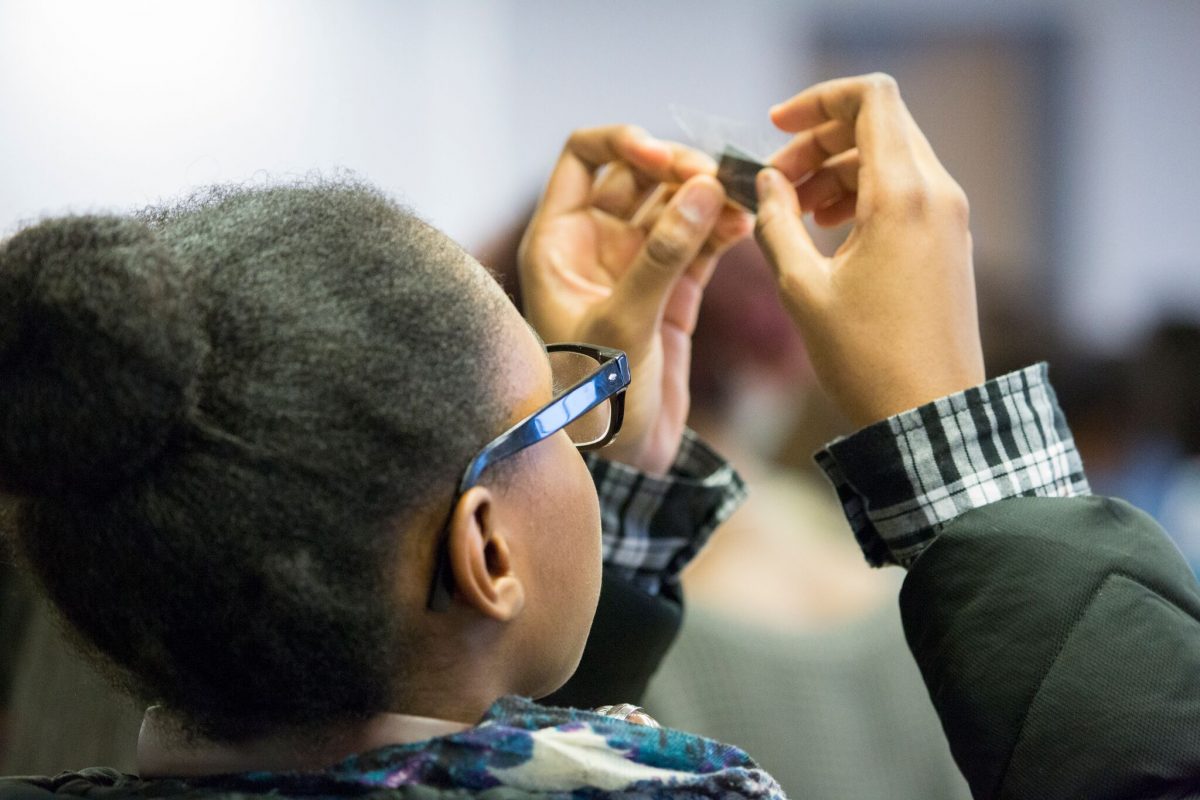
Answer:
x=888 y=401
x=876 y=391
x=655 y=462
x=901 y=479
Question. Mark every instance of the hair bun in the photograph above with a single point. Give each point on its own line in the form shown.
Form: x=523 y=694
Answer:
x=100 y=351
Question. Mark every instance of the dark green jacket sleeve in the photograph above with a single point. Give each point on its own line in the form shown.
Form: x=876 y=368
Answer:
x=630 y=637
x=651 y=527
x=1060 y=642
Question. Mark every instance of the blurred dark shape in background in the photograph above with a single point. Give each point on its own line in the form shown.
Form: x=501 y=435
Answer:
x=1135 y=413
x=1160 y=471
x=1167 y=380
x=14 y=612
x=743 y=335
x=56 y=712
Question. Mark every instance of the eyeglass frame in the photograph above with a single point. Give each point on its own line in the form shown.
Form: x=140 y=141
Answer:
x=608 y=382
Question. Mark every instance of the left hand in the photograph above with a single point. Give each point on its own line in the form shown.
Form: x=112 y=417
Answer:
x=620 y=248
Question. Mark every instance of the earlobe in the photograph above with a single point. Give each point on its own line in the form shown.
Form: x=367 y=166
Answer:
x=481 y=558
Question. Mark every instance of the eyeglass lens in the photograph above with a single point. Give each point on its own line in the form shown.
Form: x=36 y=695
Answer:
x=569 y=368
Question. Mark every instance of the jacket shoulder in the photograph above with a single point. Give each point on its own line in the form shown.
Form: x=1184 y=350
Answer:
x=1041 y=624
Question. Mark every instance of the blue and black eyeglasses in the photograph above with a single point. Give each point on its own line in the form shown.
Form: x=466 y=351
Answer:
x=589 y=402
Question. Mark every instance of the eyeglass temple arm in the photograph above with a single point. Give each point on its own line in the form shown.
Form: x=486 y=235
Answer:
x=608 y=381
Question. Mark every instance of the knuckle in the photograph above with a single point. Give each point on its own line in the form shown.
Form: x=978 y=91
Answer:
x=667 y=250
x=576 y=137
x=611 y=330
x=799 y=296
x=868 y=204
x=791 y=285
x=956 y=202
x=767 y=224
x=919 y=198
x=910 y=199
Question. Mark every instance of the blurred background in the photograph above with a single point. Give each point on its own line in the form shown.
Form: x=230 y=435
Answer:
x=1071 y=126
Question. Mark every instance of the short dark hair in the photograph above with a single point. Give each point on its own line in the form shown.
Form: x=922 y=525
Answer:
x=216 y=413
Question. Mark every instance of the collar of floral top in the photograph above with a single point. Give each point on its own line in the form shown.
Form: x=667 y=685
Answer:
x=536 y=749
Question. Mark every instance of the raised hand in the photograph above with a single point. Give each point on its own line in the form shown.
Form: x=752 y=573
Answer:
x=889 y=320
x=618 y=253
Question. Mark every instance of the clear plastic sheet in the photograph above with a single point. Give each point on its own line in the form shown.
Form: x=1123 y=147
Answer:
x=741 y=149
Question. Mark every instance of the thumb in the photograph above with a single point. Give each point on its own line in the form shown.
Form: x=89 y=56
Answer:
x=672 y=244
x=782 y=236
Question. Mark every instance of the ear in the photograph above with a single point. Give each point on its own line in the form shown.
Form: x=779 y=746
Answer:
x=481 y=558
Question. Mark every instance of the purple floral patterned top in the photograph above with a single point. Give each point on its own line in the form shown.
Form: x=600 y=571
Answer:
x=533 y=749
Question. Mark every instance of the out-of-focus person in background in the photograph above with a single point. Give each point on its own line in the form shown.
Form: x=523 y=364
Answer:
x=14 y=611
x=61 y=710
x=241 y=340
x=1144 y=409
x=1161 y=476
x=1134 y=412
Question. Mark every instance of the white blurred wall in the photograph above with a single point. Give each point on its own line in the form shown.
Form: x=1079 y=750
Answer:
x=458 y=107
x=119 y=103
x=1133 y=156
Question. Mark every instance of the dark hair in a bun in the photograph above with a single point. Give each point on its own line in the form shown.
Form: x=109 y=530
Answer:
x=100 y=350
x=217 y=417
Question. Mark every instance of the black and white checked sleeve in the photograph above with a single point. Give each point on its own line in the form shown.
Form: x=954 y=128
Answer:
x=903 y=478
x=653 y=526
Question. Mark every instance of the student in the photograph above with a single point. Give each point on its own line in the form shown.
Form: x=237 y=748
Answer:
x=300 y=474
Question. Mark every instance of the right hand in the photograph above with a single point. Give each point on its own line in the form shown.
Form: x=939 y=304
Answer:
x=889 y=320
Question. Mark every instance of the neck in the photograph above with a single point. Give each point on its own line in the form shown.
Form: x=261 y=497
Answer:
x=165 y=749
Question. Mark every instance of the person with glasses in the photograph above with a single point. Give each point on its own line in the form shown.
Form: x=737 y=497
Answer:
x=299 y=475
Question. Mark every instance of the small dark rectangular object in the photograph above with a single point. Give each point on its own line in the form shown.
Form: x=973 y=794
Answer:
x=737 y=171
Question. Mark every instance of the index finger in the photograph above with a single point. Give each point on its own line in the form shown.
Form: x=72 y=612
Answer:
x=888 y=139
x=570 y=184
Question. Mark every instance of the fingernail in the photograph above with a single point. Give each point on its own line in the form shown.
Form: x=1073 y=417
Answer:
x=762 y=183
x=700 y=203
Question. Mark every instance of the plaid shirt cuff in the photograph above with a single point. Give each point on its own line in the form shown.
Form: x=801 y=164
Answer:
x=653 y=526
x=902 y=479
